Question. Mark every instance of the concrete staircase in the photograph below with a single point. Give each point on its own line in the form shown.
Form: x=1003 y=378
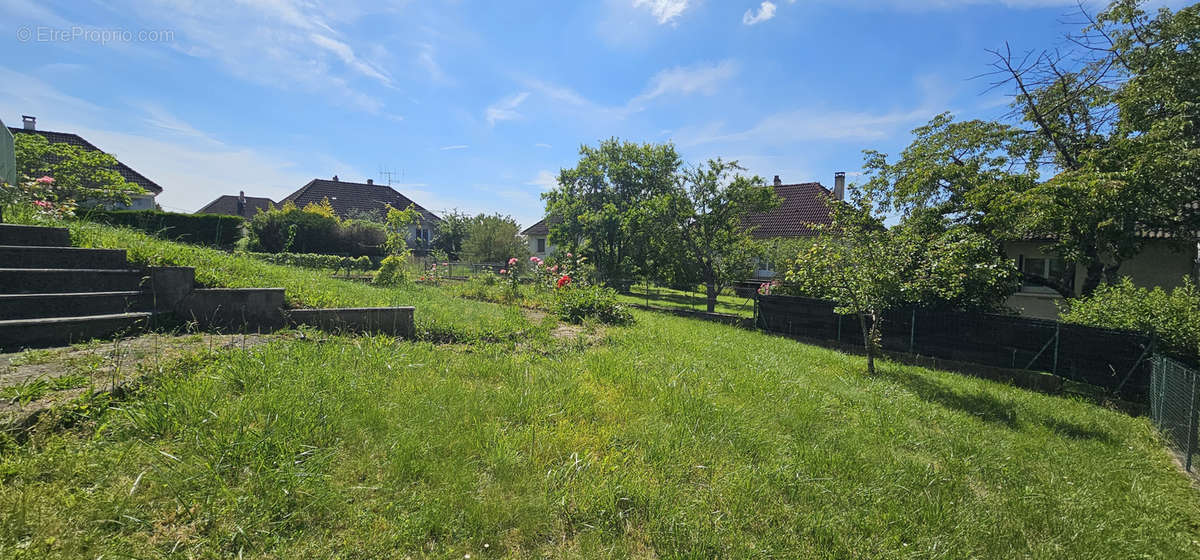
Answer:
x=52 y=293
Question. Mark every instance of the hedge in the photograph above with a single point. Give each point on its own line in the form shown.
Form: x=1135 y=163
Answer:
x=316 y=260
x=204 y=229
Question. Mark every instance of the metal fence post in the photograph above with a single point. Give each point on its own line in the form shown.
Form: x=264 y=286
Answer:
x=1192 y=426
x=912 y=333
x=1057 y=328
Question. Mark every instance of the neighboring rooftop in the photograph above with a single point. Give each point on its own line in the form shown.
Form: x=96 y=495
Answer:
x=128 y=173
x=351 y=199
x=228 y=204
x=802 y=208
x=537 y=230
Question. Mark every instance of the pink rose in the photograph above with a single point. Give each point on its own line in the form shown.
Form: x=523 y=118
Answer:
x=45 y=179
x=512 y=261
x=502 y=271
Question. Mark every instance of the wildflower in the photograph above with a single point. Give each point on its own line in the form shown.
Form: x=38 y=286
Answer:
x=45 y=179
x=564 y=281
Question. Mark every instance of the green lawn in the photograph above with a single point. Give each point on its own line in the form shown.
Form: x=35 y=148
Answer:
x=670 y=438
x=666 y=298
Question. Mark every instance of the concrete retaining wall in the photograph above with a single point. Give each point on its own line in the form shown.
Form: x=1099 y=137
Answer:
x=239 y=309
x=395 y=321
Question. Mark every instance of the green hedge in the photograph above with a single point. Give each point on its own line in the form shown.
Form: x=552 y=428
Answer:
x=203 y=229
x=316 y=260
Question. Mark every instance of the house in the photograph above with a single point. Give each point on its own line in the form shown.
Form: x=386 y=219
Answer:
x=240 y=205
x=366 y=201
x=8 y=160
x=802 y=208
x=144 y=201
x=1163 y=262
x=538 y=237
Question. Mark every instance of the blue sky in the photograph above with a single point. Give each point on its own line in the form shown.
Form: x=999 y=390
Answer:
x=477 y=105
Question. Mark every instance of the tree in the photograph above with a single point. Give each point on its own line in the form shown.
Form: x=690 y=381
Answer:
x=494 y=238
x=1111 y=123
x=451 y=233
x=82 y=175
x=602 y=207
x=866 y=268
x=702 y=229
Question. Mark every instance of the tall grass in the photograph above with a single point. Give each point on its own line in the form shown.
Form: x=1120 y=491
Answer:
x=672 y=438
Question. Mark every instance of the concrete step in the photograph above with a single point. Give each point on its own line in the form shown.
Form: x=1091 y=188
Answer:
x=67 y=280
x=19 y=256
x=33 y=306
x=53 y=331
x=34 y=236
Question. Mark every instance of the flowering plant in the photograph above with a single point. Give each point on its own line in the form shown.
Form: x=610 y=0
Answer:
x=765 y=288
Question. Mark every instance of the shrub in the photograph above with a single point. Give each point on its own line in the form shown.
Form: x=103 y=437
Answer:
x=1172 y=317
x=575 y=304
x=316 y=260
x=202 y=229
x=393 y=271
x=314 y=229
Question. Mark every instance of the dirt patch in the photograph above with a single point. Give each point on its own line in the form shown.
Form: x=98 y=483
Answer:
x=36 y=379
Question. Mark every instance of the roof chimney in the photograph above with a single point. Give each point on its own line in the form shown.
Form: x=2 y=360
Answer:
x=335 y=178
x=30 y=122
x=839 y=185
x=370 y=181
x=777 y=181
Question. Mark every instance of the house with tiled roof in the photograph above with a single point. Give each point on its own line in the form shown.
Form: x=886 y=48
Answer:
x=237 y=205
x=538 y=238
x=137 y=202
x=802 y=208
x=365 y=200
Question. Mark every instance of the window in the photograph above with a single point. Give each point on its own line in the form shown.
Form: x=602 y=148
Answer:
x=541 y=244
x=1046 y=267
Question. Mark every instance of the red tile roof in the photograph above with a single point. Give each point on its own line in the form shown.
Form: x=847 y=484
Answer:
x=802 y=208
x=76 y=140
x=348 y=198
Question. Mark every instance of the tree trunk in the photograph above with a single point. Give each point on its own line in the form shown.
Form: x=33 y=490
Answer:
x=711 y=290
x=868 y=340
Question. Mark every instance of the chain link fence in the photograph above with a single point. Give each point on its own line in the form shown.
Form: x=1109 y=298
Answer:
x=1174 y=398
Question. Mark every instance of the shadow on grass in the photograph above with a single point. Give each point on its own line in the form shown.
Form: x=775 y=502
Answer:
x=989 y=408
x=698 y=301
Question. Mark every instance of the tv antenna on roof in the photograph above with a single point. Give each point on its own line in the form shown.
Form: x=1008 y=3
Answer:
x=386 y=174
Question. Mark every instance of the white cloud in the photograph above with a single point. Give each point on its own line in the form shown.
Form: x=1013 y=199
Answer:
x=505 y=109
x=454 y=147
x=766 y=11
x=809 y=125
x=701 y=78
x=542 y=145
x=664 y=11
x=544 y=180
x=284 y=44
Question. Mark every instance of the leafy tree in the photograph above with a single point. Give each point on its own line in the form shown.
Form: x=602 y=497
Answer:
x=451 y=233
x=866 y=268
x=494 y=238
x=85 y=176
x=1115 y=134
x=701 y=228
x=602 y=207
x=398 y=222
